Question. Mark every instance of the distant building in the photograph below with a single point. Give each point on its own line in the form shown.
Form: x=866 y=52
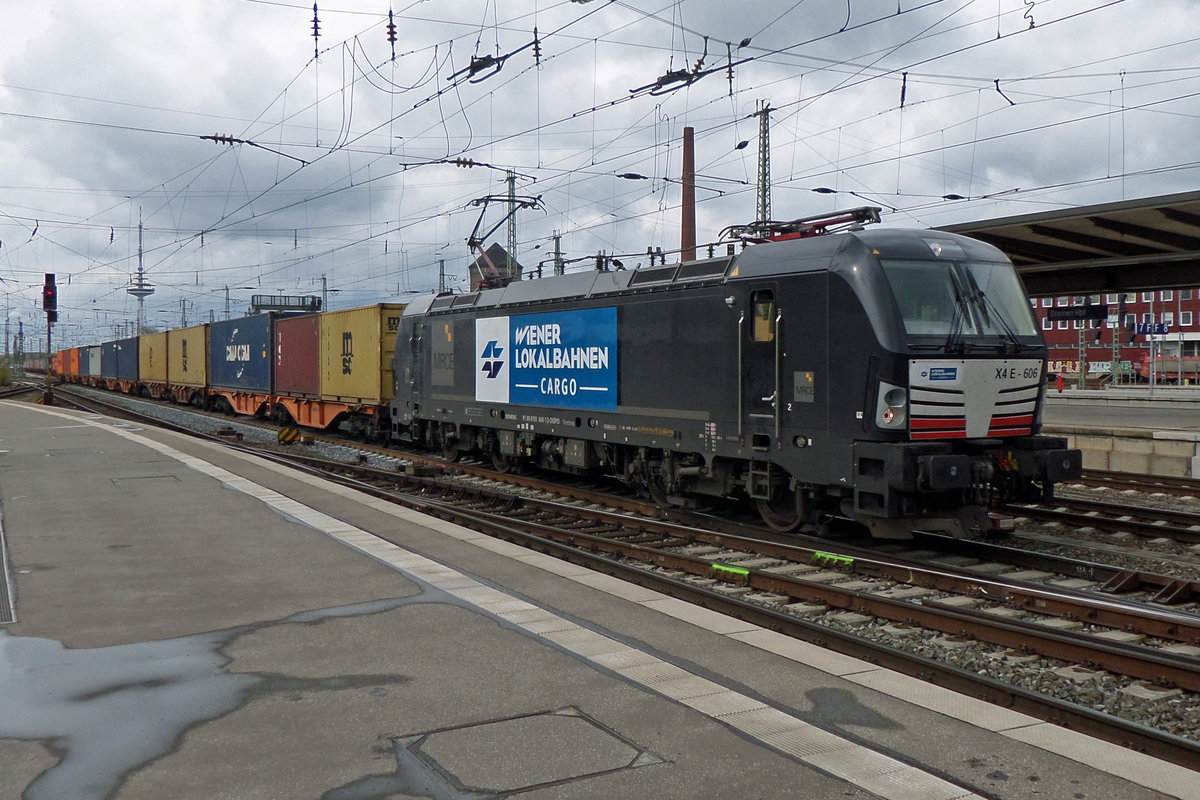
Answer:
x=491 y=270
x=1069 y=340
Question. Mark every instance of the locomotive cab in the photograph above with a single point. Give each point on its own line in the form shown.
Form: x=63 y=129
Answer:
x=953 y=412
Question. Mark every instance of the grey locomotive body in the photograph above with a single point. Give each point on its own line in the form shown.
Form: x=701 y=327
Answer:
x=892 y=377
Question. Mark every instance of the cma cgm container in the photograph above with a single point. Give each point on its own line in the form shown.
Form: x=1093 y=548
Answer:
x=240 y=354
x=187 y=360
x=297 y=365
x=356 y=354
x=119 y=360
x=93 y=361
x=152 y=361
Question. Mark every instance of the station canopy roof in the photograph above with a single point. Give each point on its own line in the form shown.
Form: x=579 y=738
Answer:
x=1151 y=243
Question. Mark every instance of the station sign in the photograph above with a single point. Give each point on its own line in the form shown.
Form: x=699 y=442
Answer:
x=1152 y=328
x=565 y=359
x=1096 y=312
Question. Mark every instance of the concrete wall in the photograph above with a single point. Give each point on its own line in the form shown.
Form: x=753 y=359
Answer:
x=1173 y=454
x=1130 y=429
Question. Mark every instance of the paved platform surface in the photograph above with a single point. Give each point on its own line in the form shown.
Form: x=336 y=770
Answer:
x=1115 y=409
x=196 y=623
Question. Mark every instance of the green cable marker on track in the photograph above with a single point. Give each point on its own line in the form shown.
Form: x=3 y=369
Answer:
x=728 y=570
x=830 y=558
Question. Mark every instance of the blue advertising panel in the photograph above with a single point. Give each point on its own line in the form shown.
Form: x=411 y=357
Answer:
x=564 y=359
x=240 y=354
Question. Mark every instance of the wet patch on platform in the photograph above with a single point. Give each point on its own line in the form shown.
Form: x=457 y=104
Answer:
x=503 y=757
x=107 y=711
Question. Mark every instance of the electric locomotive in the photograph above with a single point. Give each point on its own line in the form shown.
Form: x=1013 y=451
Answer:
x=890 y=377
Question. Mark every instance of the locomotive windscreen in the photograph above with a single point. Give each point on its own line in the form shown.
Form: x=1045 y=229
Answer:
x=965 y=298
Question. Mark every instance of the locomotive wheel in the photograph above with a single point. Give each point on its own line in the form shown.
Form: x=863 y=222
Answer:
x=781 y=513
x=501 y=462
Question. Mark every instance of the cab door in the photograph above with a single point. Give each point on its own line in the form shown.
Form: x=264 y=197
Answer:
x=760 y=367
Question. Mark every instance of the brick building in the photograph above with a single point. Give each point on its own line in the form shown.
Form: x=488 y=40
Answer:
x=1176 y=352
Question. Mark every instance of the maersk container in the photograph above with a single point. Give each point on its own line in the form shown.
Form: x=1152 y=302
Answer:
x=239 y=355
x=70 y=362
x=119 y=359
x=356 y=353
x=152 y=357
x=187 y=356
x=94 y=361
x=297 y=356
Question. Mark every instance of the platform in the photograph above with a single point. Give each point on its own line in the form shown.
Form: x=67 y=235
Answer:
x=192 y=622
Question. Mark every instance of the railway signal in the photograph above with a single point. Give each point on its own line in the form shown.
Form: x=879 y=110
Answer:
x=49 y=294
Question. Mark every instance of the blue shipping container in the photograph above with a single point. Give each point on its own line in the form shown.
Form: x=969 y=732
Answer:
x=84 y=361
x=240 y=354
x=119 y=359
x=127 y=358
x=108 y=360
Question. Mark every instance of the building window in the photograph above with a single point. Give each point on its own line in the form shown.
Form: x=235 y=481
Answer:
x=1062 y=324
x=1130 y=319
x=1185 y=294
x=1047 y=324
x=1147 y=297
x=1167 y=294
x=1185 y=319
x=1147 y=318
x=1062 y=301
x=1077 y=324
x=1047 y=302
x=1033 y=302
x=1168 y=317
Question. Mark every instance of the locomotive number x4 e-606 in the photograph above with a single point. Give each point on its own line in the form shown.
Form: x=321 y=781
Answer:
x=893 y=377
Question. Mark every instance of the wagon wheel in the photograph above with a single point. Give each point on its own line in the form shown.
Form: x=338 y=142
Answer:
x=782 y=512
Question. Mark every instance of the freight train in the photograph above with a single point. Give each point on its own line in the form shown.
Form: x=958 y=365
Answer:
x=894 y=378
x=329 y=370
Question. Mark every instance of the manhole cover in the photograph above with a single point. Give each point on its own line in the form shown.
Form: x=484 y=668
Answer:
x=526 y=752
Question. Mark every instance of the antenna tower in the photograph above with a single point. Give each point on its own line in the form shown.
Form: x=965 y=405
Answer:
x=140 y=288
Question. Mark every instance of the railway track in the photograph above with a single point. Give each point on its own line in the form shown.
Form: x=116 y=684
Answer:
x=972 y=632
x=1121 y=481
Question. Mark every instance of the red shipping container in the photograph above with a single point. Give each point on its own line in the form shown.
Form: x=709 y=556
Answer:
x=297 y=356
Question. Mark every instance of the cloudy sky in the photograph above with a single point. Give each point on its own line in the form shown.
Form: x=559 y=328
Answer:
x=263 y=161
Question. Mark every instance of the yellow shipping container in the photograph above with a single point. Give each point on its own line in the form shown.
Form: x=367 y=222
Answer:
x=152 y=357
x=188 y=348
x=356 y=353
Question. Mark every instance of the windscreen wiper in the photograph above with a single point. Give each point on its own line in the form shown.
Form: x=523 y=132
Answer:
x=954 y=343
x=984 y=304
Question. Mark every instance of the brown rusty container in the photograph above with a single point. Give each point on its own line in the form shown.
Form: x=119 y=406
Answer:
x=297 y=356
x=356 y=353
x=188 y=356
x=152 y=358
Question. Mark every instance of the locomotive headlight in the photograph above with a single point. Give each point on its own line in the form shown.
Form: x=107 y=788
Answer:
x=891 y=406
